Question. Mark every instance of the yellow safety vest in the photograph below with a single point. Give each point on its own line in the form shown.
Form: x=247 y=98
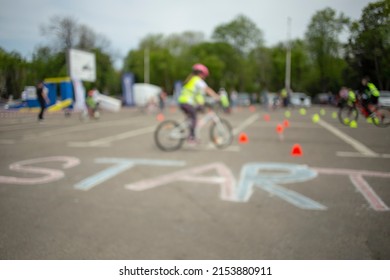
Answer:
x=373 y=90
x=189 y=95
x=224 y=101
x=283 y=93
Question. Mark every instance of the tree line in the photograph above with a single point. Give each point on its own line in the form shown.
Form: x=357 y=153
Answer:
x=335 y=51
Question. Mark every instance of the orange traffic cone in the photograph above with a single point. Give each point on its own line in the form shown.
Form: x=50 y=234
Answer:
x=267 y=118
x=243 y=138
x=296 y=151
x=252 y=108
x=286 y=123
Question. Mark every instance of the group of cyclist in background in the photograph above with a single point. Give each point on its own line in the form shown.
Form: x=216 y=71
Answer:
x=368 y=94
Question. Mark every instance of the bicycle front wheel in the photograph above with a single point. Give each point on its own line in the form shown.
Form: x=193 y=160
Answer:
x=347 y=114
x=221 y=134
x=169 y=135
x=382 y=118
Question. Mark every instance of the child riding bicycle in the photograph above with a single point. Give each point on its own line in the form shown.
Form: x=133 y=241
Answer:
x=192 y=95
x=92 y=104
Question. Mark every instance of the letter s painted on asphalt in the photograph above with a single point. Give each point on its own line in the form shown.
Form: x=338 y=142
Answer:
x=49 y=175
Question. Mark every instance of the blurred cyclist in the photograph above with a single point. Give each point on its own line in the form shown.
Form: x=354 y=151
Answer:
x=224 y=100
x=92 y=104
x=347 y=96
x=192 y=95
x=370 y=95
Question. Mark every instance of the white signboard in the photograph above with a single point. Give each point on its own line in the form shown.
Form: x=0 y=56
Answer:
x=82 y=65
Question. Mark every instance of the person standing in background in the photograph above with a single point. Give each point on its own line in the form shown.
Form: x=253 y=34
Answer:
x=284 y=96
x=43 y=99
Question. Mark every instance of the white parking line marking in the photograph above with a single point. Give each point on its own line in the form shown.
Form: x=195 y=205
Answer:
x=80 y=127
x=245 y=124
x=231 y=148
x=106 y=141
x=353 y=154
x=349 y=140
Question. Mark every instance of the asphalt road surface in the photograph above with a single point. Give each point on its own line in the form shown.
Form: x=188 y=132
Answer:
x=103 y=190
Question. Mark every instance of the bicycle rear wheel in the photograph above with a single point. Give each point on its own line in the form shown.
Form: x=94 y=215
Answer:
x=221 y=134
x=169 y=135
x=382 y=118
x=347 y=114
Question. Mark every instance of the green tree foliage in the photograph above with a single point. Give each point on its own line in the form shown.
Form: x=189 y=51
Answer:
x=169 y=58
x=47 y=63
x=242 y=33
x=278 y=58
x=12 y=74
x=260 y=68
x=325 y=48
x=172 y=57
x=244 y=36
x=220 y=58
x=369 y=44
x=300 y=66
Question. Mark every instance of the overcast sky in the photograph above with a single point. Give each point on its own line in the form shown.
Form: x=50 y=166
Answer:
x=126 y=22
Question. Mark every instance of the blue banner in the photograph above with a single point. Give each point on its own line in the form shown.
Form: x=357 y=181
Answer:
x=127 y=89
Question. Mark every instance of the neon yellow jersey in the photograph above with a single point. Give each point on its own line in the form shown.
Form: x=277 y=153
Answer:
x=373 y=90
x=190 y=94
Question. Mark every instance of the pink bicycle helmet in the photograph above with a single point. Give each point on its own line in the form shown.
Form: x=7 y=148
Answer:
x=202 y=69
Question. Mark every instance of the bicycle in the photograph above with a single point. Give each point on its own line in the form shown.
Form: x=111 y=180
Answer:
x=350 y=112
x=170 y=134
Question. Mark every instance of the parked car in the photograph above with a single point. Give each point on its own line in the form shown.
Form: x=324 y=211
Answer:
x=300 y=99
x=384 y=98
x=243 y=99
x=322 y=98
